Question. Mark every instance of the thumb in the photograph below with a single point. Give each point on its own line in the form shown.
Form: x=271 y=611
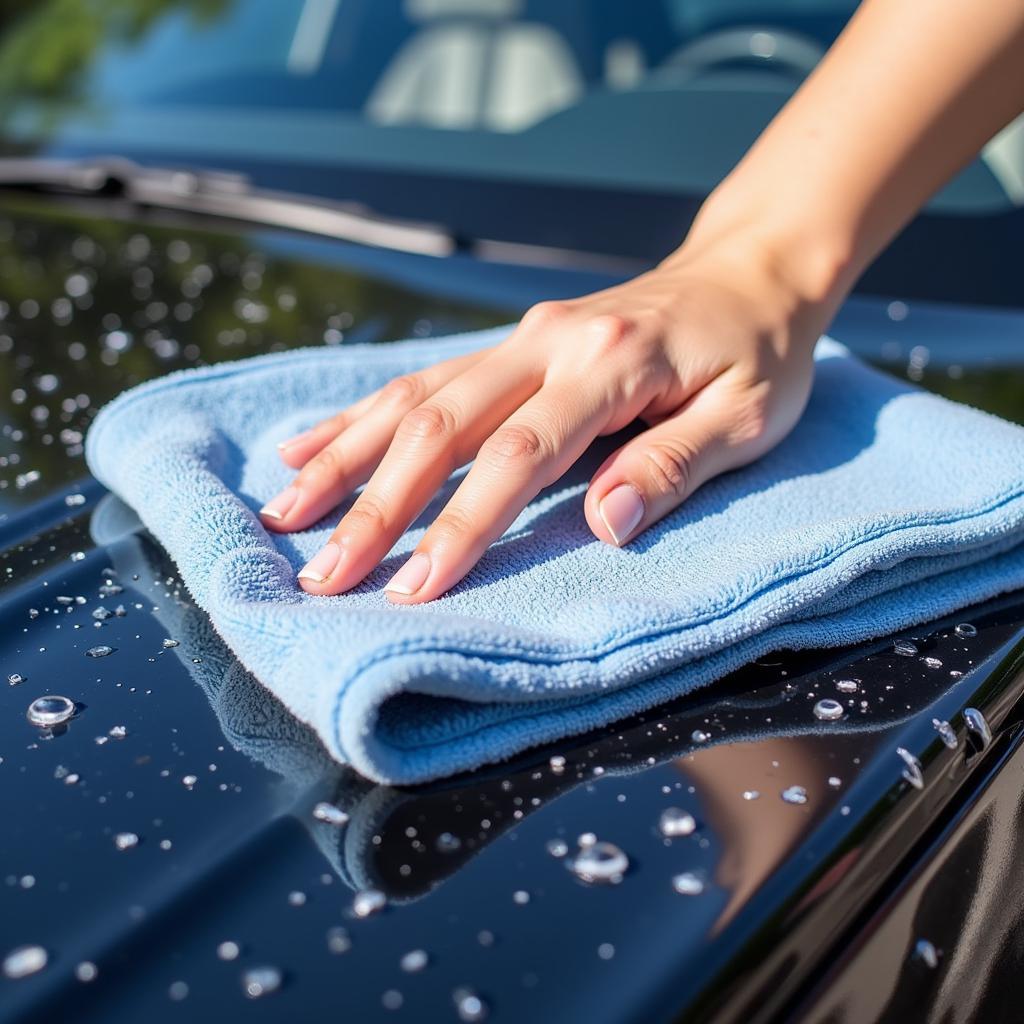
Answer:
x=656 y=471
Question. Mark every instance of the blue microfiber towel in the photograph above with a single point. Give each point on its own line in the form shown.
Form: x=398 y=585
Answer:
x=885 y=507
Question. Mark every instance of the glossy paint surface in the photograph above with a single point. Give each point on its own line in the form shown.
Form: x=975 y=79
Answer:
x=174 y=743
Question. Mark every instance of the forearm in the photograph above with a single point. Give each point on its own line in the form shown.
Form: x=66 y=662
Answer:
x=906 y=97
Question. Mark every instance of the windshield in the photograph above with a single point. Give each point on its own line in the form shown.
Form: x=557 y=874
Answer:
x=402 y=104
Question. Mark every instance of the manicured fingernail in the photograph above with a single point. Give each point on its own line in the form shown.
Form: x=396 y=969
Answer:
x=322 y=564
x=281 y=445
x=279 y=507
x=411 y=576
x=621 y=510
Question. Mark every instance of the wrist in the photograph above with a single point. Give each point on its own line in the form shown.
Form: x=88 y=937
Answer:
x=802 y=252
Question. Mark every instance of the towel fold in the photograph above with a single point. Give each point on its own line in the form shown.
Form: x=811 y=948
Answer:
x=885 y=507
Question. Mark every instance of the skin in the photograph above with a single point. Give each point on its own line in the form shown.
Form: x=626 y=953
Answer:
x=712 y=349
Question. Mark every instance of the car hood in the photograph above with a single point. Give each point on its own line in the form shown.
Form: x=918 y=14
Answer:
x=752 y=837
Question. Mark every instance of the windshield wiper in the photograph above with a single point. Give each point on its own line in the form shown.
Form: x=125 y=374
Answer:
x=221 y=194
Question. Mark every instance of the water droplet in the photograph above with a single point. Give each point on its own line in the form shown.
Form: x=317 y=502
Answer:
x=261 y=981
x=469 y=1006
x=599 y=863
x=926 y=953
x=24 y=960
x=368 y=902
x=930 y=662
x=324 y=811
x=168 y=643
x=966 y=631
x=834 y=781
x=126 y=840
x=946 y=733
x=414 y=960
x=557 y=763
x=296 y=898
x=50 y=710
x=392 y=999
x=751 y=794
x=606 y=951
x=86 y=971
x=188 y=781
x=674 y=822
x=338 y=940
x=228 y=950
x=15 y=678
x=795 y=795
x=911 y=768
x=978 y=726
x=100 y=651
x=699 y=736
x=828 y=710
x=557 y=847
x=847 y=685
x=447 y=843
x=905 y=648
x=520 y=897
x=688 y=883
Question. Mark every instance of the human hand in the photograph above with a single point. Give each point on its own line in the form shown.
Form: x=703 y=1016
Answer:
x=712 y=350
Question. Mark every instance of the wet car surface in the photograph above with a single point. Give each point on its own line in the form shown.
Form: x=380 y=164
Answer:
x=169 y=847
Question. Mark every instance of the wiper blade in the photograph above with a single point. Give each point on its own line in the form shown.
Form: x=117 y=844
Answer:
x=221 y=194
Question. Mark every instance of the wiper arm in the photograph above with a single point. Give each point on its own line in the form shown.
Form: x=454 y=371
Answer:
x=221 y=194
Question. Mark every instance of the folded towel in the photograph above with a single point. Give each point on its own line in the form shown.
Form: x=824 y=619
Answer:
x=885 y=507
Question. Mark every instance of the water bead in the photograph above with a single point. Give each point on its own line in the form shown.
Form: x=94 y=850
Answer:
x=911 y=768
x=261 y=981
x=24 y=960
x=330 y=814
x=599 y=863
x=688 y=883
x=50 y=710
x=674 y=823
x=828 y=710
x=946 y=733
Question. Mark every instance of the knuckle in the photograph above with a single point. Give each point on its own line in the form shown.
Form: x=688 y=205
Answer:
x=516 y=443
x=544 y=314
x=669 y=467
x=453 y=526
x=368 y=514
x=426 y=422
x=326 y=464
x=408 y=389
x=606 y=335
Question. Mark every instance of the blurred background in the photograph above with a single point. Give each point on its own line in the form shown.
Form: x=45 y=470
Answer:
x=604 y=123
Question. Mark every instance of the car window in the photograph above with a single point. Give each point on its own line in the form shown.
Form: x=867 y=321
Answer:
x=654 y=95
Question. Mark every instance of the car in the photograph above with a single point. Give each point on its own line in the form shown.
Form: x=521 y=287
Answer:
x=191 y=182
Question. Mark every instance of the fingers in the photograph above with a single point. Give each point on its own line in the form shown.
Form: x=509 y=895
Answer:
x=298 y=450
x=530 y=450
x=346 y=459
x=432 y=440
x=718 y=429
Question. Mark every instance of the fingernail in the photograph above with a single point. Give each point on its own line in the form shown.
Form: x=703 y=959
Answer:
x=281 y=445
x=279 y=507
x=322 y=564
x=411 y=576
x=621 y=510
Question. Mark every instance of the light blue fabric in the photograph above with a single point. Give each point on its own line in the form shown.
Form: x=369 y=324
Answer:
x=885 y=507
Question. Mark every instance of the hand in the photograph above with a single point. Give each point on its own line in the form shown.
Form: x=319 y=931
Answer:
x=712 y=350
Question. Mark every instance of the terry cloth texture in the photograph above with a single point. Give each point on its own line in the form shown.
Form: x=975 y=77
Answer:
x=885 y=507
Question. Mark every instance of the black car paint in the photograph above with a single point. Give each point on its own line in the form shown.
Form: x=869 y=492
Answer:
x=794 y=895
